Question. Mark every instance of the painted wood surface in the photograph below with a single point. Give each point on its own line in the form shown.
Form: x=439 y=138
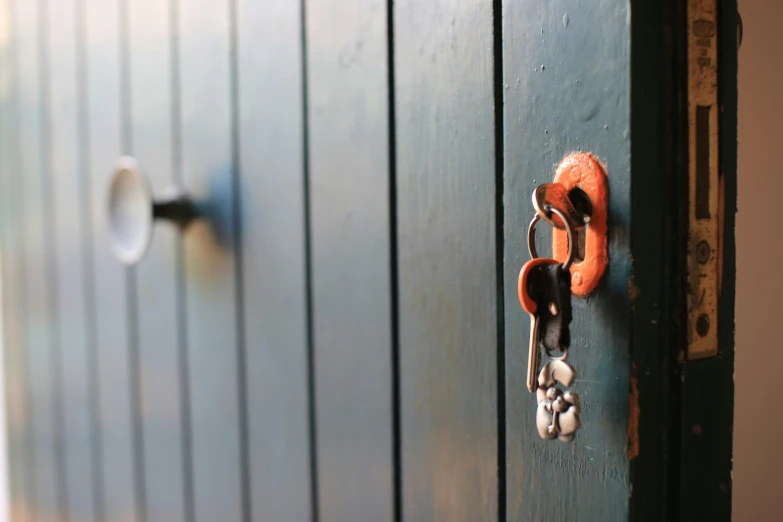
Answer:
x=44 y=464
x=21 y=473
x=208 y=170
x=69 y=215
x=656 y=126
x=558 y=98
x=348 y=137
x=114 y=398
x=151 y=120
x=273 y=257
x=443 y=62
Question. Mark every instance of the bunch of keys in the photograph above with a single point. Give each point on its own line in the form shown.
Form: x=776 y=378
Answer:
x=545 y=294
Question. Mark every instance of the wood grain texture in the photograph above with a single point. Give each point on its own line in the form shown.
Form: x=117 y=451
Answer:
x=21 y=473
x=31 y=224
x=271 y=190
x=443 y=54
x=152 y=138
x=566 y=84
x=110 y=321
x=69 y=212
x=349 y=218
x=208 y=172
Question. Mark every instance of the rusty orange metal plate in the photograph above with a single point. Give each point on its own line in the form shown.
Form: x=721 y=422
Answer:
x=585 y=171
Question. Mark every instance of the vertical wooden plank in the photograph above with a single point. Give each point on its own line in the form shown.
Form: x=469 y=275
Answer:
x=158 y=277
x=21 y=478
x=348 y=132
x=657 y=127
x=68 y=201
x=273 y=257
x=566 y=88
x=32 y=174
x=109 y=318
x=447 y=277
x=208 y=171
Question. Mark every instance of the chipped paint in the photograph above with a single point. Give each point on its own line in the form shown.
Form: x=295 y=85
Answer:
x=633 y=290
x=721 y=221
x=633 y=416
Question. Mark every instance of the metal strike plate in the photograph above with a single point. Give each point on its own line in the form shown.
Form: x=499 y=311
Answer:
x=704 y=205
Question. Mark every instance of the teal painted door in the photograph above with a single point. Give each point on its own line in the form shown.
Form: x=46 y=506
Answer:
x=337 y=336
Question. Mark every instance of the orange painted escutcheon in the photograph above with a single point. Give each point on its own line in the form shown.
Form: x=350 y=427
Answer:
x=583 y=170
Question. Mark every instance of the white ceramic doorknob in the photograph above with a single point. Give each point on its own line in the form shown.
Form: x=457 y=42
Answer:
x=133 y=211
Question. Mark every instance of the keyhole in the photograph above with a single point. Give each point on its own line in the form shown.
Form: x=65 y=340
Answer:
x=581 y=203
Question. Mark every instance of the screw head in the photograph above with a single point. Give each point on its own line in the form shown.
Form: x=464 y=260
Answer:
x=703 y=252
x=703 y=325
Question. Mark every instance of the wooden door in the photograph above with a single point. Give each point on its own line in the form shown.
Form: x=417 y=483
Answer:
x=337 y=336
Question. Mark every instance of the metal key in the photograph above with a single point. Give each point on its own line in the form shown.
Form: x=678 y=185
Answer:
x=545 y=294
x=554 y=195
x=553 y=294
x=529 y=276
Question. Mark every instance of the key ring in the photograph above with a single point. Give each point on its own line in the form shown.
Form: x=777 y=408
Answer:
x=554 y=195
x=531 y=236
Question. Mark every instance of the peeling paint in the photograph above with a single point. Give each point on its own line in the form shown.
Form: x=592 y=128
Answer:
x=633 y=290
x=721 y=221
x=633 y=416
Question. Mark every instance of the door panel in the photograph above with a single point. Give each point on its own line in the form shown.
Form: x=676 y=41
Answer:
x=443 y=56
x=348 y=131
x=152 y=129
x=557 y=100
x=274 y=313
x=114 y=398
x=210 y=306
x=70 y=209
x=44 y=464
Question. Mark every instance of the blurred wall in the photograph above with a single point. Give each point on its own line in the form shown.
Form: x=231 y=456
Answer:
x=758 y=454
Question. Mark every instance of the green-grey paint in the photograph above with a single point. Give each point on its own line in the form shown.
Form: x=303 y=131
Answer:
x=444 y=89
x=161 y=351
x=271 y=192
x=45 y=504
x=69 y=211
x=566 y=87
x=348 y=133
x=656 y=126
x=21 y=494
x=210 y=292
x=110 y=333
